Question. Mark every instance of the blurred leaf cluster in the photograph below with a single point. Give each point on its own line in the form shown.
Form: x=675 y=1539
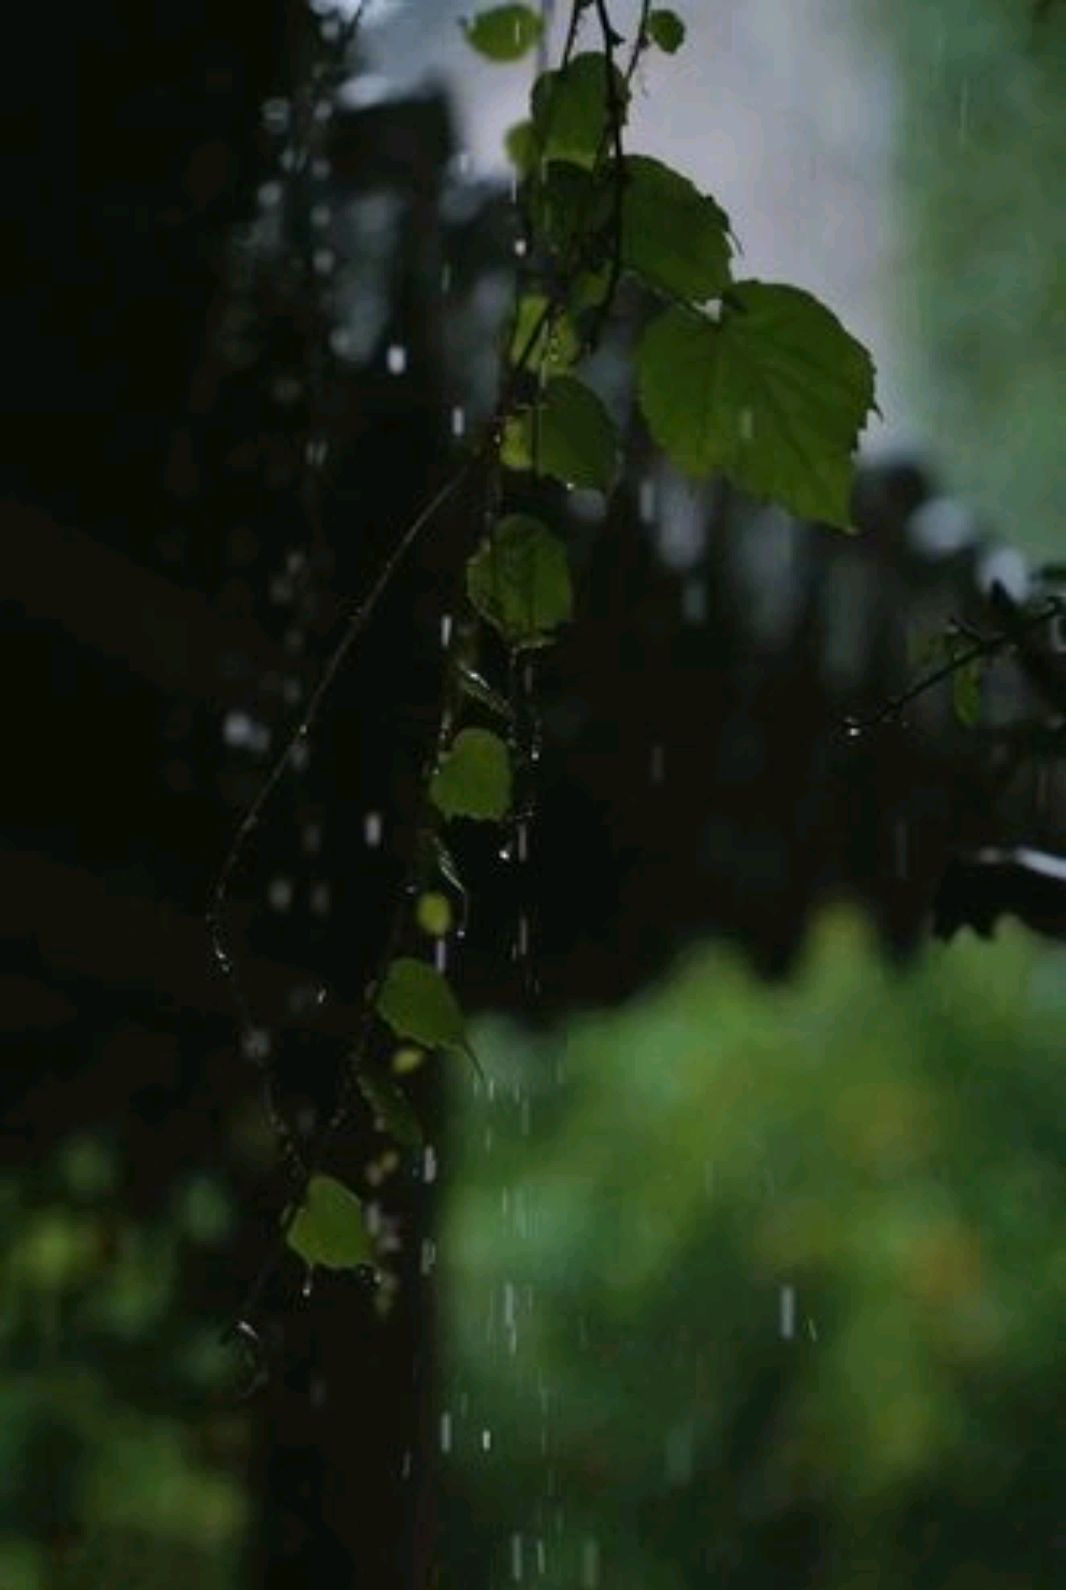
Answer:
x=121 y=1444
x=760 y=1286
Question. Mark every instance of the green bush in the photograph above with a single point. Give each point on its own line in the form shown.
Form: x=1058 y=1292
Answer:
x=756 y=1286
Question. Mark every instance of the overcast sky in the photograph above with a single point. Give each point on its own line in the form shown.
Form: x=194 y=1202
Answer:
x=781 y=108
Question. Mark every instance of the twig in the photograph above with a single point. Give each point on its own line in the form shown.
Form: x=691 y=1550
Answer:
x=988 y=646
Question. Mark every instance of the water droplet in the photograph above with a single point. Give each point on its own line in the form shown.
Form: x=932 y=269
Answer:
x=446 y=278
x=852 y=730
x=323 y=260
x=256 y=1043
x=658 y=764
x=280 y=894
x=428 y=1256
x=275 y=114
x=522 y=841
x=308 y=1283
x=429 y=1164
x=440 y=955
x=590 y=1563
x=516 y=1557
x=747 y=425
x=520 y=247
x=445 y=629
x=787 y=1316
x=486 y=1440
x=396 y=359
x=458 y=421
x=446 y=1431
x=646 y=501
x=372 y=830
x=269 y=195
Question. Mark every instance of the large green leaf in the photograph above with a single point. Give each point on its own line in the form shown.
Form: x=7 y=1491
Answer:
x=329 y=1227
x=417 y=1002
x=673 y=236
x=773 y=395
x=568 y=435
x=504 y=33
x=519 y=581
x=572 y=112
x=474 y=777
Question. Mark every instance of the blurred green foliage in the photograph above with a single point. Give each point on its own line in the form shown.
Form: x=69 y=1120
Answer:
x=759 y=1287
x=979 y=284
x=121 y=1443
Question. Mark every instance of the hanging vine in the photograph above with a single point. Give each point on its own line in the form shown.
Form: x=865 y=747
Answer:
x=752 y=380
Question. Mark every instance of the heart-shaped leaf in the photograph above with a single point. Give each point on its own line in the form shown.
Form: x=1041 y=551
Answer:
x=568 y=435
x=329 y=1228
x=773 y=395
x=504 y=33
x=474 y=777
x=519 y=581
x=417 y=1002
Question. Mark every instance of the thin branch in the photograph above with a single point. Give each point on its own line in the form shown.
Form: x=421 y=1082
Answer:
x=988 y=646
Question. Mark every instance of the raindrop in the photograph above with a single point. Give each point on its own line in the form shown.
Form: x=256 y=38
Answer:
x=308 y=1284
x=372 y=829
x=646 y=501
x=269 y=195
x=320 y=215
x=323 y=111
x=315 y=452
x=440 y=955
x=747 y=425
x=658 y=764
x=445 y=629
x=323 y=260
x=852 y=730
x=506 y=851
x=292 y=690
x=900 y=847
x=520 y=247
x=787 y=1316
x=311 y=838
x=542 y=1561
x=428 y=1256
x=340 y=341
x=429 y=1164
x=405 y=1466
x=446 y=278
x=590 y=1563
x=396 y=359
x=812 y=1331
x=275 y=115
x=256 y=1044
x=458 y=421
x=522 y=937
x=486 y=1440
x=279 y=894
x=522 y=841
x=516 y=1557
x=445 y=1431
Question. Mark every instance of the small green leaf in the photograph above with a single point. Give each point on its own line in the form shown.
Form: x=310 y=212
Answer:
x=773 y=396
x=546 y=340
x=329 y=1227
x=505 y=33
x=417 y=1002
x=572 y=112
x=569 y=435
x=666 y=29
x=520 y=146
x=673 y=236
x=519 y=581
x=474 y=777
x=433 y=913
x=392 y=1108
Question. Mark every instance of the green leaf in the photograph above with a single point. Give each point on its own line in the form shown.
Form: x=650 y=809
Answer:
x=549 y=341
x=571 y=110
x=520 y=146
x=673 y=236
x=773 y=396
x=505 y=33
x=474 y=777
x=433 y=913
x=572 y=210
x=392 y=1108
x=666 y=29
x=519 y=581
x=329 y=1227
x=568 y=435
x=417 y=1002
